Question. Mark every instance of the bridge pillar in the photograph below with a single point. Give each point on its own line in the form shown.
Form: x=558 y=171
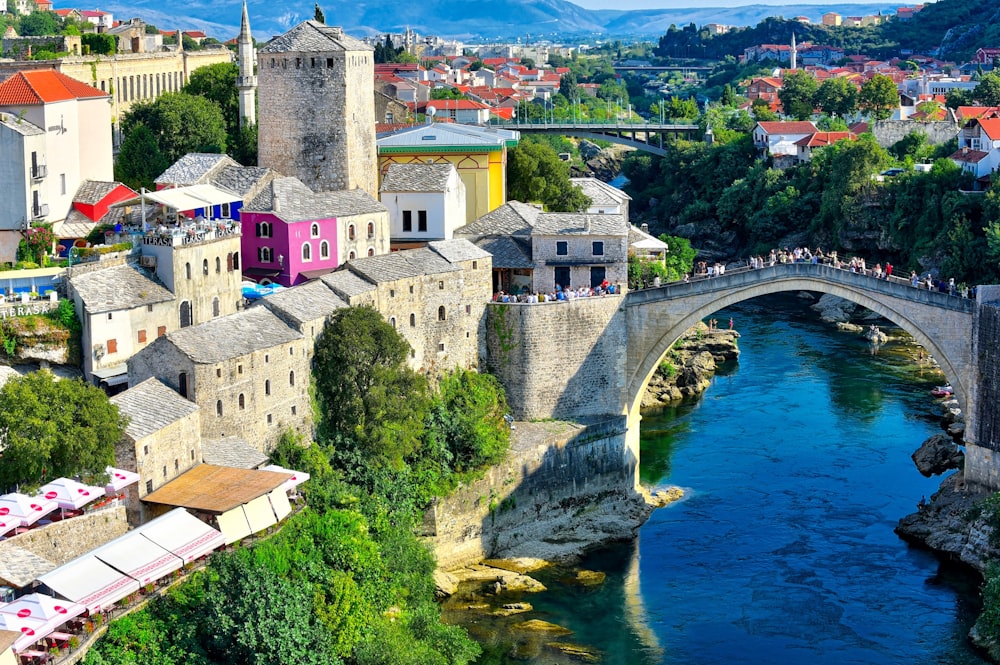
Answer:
x=982 y=417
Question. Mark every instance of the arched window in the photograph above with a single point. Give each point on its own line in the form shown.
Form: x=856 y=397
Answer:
x=306 y=252
x=187 y=270
x=264 y=254
x=413 y=320
x=218 y=265
x=442 y=313
x=186 y=318
x=215 y=306
x=204 y=266
x=352 y=256
x=350 y=232
x=236 y=260
x=291 y=378
x=314 y=230
x=392 y=321
x=324 y=250
x=267 y=387
x=371 y=229
x=371 y=251
x=182 y=382
x=218 y=407
x=229 y=262
x=243 y=403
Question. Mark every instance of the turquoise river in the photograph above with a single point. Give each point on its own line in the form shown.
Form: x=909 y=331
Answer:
x=796 y=467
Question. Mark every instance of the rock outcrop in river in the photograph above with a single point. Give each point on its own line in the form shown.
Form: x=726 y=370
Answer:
x=689 y=366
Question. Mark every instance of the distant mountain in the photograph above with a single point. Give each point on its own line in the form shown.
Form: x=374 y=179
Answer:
x=482 y=19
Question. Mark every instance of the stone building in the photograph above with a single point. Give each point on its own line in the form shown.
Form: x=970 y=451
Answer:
x=161 y=441
x=249 y=373
x=425 y=202
x=316 y=118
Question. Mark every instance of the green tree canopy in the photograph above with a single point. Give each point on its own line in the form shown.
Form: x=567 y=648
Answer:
x=54 y=428
x=878 y=97
x=181 y=123
x=140 y=159
x=798 y=94
x=367 y=396
x=536 y=174
x=217 y=82
x=837 y=96
x=39 y=23
x=99 y=44
x=987 y=91
x=467 y=416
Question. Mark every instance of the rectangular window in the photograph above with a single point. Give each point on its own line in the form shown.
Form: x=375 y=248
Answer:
x=598 y=248
x=562 y=248
x=227 y=210
x=149 y=487
x=62 y=184
x=161 y=331
x=149 y=308
x=407 y=221
x=142 y=336
x=112 y=346
x=421 y=220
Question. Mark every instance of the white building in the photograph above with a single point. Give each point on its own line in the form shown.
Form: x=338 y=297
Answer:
x=425 y=201
x=55 y=133
x=604 y=198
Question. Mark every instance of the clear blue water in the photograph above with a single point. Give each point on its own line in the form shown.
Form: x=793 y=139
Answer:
x=796 y=466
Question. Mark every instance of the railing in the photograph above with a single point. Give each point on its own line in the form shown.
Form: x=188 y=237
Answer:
x=185 y=234
x=39 y=171
x=39 y=211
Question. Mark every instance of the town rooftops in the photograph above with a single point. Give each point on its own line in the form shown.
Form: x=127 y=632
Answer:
x=244 y=180
x=20 y=125
x=512 y=218
x=150 y=407
x=19 y=566
x=292 y=201
x=216 y=489
x=346 y=284
x=118 y=288
x=441 y=134
x=92 y=192
x=232 y=336
x=231 y=451
x=417 y=178
x=194 y=167
x=401 y=265
x=507 y=251
x=458 y=249
x=969 y=156
x=795 y=127
x=990 y=127
x=599 y=192
x=820 y=139
x=305 y=302
x=44 y=86
x=314 y=37
x=568 y=223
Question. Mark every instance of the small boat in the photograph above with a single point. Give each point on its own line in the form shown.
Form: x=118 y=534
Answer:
x=943 y=391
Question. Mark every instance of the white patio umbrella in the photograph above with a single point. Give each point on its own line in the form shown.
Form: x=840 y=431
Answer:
x=39 y=607
x=119 y=479
x=69 y=494
x=26 y=509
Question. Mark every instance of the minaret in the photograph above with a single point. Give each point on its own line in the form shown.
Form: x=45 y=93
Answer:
x=246 y=80
x=794 y=53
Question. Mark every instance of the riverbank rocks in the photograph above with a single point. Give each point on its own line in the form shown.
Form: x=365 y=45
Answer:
x=586 y=578
x=576 y=652
x=689 y=366
x=663 y=497
x=844 y=326
x=938 y=454
x=445 y=584
x=497 y=580
x=510 y=609
x=521 y=565
x=833 y=309
x=539 y=626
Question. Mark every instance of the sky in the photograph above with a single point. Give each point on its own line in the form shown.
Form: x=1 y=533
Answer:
x=686 y=4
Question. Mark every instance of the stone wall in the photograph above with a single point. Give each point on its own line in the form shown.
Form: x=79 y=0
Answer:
x=890 y=132
x=64 y=541
x=565 y=486
x=982 y=464
x=560 y=359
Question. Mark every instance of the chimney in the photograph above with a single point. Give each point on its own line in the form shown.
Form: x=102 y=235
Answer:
x=275 y=203
x=586 y=224
x=644 y=228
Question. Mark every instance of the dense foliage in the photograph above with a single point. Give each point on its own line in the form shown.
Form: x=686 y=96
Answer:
x=536 y=174
x=216 y=83
x=54 y=427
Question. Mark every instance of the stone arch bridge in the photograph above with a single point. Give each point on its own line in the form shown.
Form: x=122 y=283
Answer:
x=591 y=358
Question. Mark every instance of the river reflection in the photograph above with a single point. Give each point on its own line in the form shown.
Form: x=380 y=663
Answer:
x=796 y=467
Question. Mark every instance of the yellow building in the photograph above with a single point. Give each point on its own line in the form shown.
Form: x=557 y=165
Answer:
x=479 y=154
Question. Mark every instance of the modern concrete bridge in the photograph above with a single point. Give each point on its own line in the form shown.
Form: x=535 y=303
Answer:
x=641 y=136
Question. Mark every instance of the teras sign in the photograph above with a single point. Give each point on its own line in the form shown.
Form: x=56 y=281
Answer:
x=27 y=309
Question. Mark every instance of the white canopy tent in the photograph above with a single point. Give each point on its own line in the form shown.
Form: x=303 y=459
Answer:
x=90 y=582
x=191 y=197
x=30 y=630
x=26 y=509
x=119 y=479
x=70 y=494
x=279 y=502
x=298 y=477
x=40 y=613
x=138 y=557
x=182 y=534
x=234 y=525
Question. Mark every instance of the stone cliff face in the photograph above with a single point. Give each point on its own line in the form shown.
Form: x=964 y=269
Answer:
x=690 y=365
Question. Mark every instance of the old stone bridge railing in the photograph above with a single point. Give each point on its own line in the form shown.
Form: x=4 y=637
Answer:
x=656 y=318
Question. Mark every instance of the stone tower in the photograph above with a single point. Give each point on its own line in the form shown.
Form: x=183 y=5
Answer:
x=246 y=80
x=317 y=108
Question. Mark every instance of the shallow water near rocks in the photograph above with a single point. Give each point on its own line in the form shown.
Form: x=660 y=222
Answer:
x=796 y=464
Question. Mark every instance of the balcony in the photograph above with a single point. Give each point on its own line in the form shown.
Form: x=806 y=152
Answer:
x=39 y=171
x=40 y=211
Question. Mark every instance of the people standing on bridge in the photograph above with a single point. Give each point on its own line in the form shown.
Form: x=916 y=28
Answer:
x=730 y=323
x=914 y=279
x=888 y=270
x=951 y=286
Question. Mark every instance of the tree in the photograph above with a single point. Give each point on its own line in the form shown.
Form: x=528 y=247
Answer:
x=318 y=13
x=368 y=398
x=567 y=86
x=535 y=173
x=956 y=98
x=217 y=83
x=878 y=97
x=728 y=98
x=181 y=123
x=55 y=427
x=797 y=94
x=987 y=91
x=762 y=111
x=837 y=96
x=467 y=416
x=99 y=44
x=140 y=160
x=39 y=23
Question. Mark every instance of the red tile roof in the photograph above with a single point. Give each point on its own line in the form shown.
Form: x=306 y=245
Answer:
x=820 y=139
x=970 y=156
x=799 y=127
x=42 y=87
x=991 y=126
